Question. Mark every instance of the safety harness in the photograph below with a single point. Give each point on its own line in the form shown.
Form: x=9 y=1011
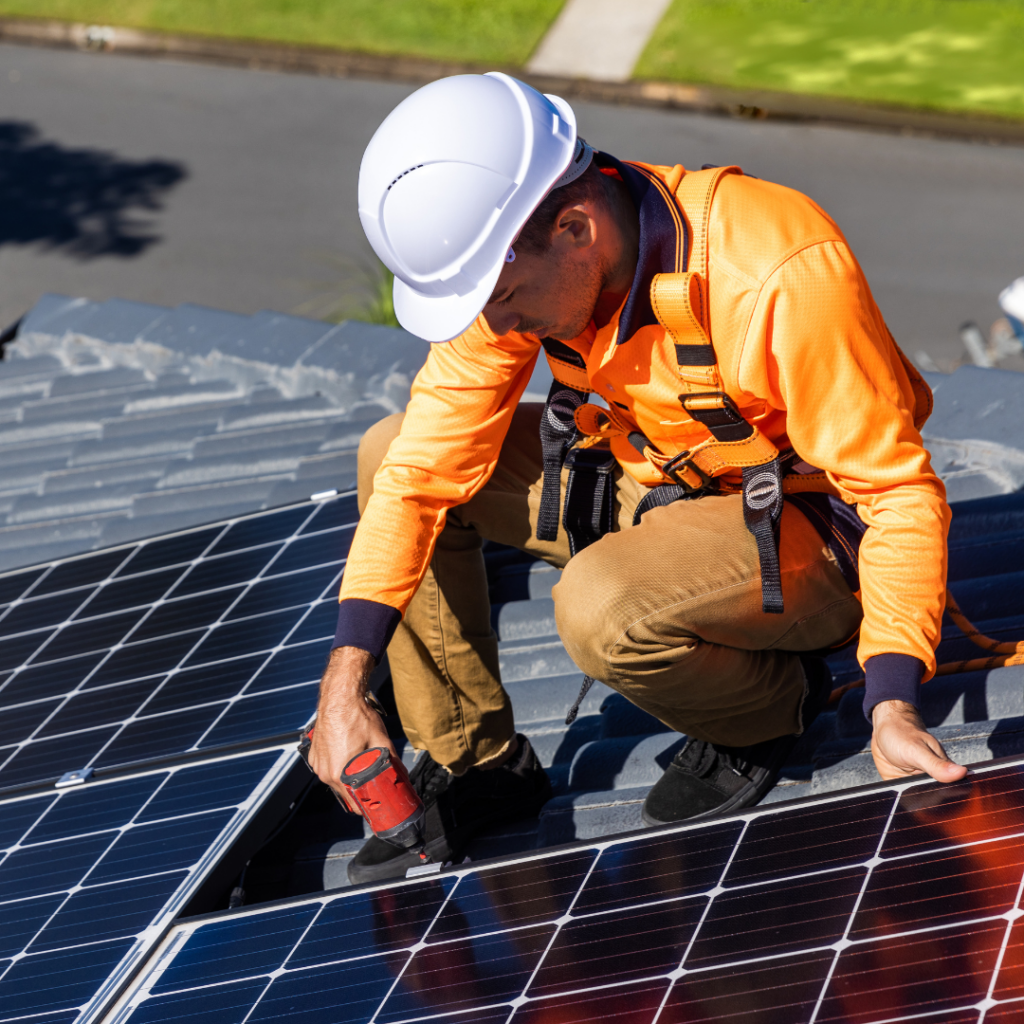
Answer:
x=679 y=302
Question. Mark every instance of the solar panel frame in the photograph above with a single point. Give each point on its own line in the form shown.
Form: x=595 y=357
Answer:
x=829 y=961
x=112 y=693
x=283 y=766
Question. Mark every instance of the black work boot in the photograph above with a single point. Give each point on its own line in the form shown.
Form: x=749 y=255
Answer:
x=708 y=779
x=458 y=807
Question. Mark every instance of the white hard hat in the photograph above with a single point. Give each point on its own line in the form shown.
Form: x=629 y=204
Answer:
x=446 y=184
x=1011 y=298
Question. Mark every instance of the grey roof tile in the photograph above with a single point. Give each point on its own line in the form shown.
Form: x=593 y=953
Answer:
x=249 y=463
x=34 y=537
x=24 y=477
x=194 y=330
x=368 y=349
x=287 y=491
x=307 y=434
x=201 y=500
x=275 y=338
x=174 y=392
x=19 y=390
x=118 y=321
x=34 y=452
x=201 y=419
x=17 y=434
x=82 y=478
x=14 y=367
x=33 y=508
x=99 y=406
x=52 y=313
x=100 y=380
x=142 y=443
x=269 y=413
x=340 y=465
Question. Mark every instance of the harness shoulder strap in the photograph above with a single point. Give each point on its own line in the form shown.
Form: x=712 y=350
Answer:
x=680 y=302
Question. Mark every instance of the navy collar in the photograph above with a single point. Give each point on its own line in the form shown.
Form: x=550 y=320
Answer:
x=664 y=242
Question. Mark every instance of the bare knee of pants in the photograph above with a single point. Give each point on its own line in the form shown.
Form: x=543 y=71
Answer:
x=669 y=614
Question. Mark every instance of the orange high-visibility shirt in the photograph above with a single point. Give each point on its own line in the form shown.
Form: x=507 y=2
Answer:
x=804 y=353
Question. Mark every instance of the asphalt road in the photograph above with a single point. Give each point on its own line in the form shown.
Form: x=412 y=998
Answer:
x=171 y=182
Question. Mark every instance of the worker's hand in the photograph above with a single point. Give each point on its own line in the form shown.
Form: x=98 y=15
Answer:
x=345 y=724
x=901 y=745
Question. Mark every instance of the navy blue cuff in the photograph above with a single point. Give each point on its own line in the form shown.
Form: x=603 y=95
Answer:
x=892 y=677
x=368 y=625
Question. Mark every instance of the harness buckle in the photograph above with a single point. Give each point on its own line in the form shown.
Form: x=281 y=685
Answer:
x=705 y=405
x=597 y=460
x=681 y=463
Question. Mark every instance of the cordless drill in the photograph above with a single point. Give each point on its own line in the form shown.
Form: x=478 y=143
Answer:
x=379 y=786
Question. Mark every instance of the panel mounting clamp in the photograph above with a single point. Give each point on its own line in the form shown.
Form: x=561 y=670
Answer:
x=75 y=778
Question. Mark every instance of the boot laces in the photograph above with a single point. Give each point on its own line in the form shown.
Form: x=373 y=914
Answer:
x=701 y=758
x=428 y=778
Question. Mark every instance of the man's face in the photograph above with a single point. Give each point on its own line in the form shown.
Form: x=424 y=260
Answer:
x=550 y=294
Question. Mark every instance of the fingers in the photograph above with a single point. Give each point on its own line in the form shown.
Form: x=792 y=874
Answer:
x=341 y=733
x=932 y=759
x=901 y=746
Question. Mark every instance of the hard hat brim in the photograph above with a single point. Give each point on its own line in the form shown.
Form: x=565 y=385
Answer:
x=436 y=318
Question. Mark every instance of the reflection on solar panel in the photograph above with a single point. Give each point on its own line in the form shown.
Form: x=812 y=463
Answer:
x=194 y=641
x=880 y=904
x=91 y=877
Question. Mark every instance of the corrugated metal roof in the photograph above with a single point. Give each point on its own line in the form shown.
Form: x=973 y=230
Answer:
x=121 y=420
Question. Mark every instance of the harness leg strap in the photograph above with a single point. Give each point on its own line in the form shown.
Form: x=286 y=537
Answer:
x=558 y=434
x=589 y=496
x=762 y=510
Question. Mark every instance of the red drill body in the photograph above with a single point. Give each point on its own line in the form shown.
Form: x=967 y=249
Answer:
x=380 y=786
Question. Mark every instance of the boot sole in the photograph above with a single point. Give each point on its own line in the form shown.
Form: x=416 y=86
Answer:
x=746 y=797
x=397 y=866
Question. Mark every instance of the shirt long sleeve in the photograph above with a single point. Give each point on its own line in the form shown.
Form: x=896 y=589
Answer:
x=459 y=412
x=821 y=352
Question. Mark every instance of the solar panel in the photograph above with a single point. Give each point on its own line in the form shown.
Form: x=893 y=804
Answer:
x=92 y=876
x=206 y=638
x=887 y=903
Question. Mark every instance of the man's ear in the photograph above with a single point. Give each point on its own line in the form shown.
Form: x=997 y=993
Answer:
x=574 y=228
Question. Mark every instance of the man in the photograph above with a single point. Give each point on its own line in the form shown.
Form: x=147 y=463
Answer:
x=739 y=354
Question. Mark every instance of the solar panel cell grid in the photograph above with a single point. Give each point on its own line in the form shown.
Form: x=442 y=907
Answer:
x=880 y=905
x=158 y=648
x=88 y=874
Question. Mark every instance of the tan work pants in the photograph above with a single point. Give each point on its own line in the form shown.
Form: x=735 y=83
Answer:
x=668 y=612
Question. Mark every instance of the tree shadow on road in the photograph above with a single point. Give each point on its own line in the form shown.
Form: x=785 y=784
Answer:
x=83 y=202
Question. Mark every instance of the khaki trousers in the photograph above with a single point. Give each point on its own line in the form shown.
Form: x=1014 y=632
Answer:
x=668 y=612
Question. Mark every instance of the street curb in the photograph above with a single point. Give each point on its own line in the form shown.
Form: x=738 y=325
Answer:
x=706 y=99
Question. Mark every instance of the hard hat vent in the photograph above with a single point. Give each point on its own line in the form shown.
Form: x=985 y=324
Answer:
x=402 y=175
x=435 y=221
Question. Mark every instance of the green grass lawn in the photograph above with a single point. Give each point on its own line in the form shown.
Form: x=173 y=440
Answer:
x=960 y=55
x=486 y=31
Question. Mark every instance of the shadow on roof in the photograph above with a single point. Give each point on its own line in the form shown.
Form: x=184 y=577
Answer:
x=86 y=202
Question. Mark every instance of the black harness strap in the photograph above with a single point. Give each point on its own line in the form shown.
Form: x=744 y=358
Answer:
x=762 y=492
x=657 y=497
x=762 y=510
x=558 y=434
x=589 y=496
